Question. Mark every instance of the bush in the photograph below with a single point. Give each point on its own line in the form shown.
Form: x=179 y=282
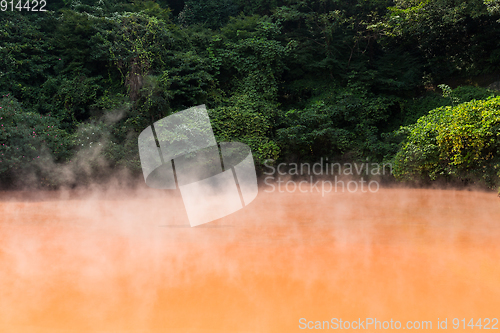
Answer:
x=415 y=108
x=453 y=143
x=213 y=14
x=341 y=121
x=28 y=142
x=246 y=123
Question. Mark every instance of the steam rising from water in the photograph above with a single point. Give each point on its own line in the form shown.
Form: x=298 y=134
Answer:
x=127 y=260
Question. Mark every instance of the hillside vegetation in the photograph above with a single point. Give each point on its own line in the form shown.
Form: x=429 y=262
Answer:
x=297 y=80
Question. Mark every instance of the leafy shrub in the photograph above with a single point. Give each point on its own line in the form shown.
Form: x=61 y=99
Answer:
x=100 y=150
x=412 y=109
x=340 y=121
x=212 y=13
x=453 y=143
x=28 y=141
x=244 y=123
x=468 y=93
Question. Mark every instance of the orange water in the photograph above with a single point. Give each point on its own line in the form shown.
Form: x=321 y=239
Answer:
x=126 y=262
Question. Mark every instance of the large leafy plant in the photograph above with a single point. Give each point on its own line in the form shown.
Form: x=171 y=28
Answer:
x=454 y=142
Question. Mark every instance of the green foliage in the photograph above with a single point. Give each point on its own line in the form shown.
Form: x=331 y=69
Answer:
x=209 y=13
x=468 y=93
x=340 y=121
x=135 y=43
x=454 y=143
x=493 y=6
x=245 y=124
x=450 y=36
x=250 y=62
x=24 y=60
x=189 y=78
x=72 y=39
x=294 y=79
x=261 y=7
x=414 y=108
x=102 y=145
x=150 y=8
x=71 y=101
x=28 y=141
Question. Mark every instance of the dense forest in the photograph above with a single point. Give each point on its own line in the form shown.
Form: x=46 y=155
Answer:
x=409 y=82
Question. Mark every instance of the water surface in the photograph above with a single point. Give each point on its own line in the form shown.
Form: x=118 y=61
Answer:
x=127 y=261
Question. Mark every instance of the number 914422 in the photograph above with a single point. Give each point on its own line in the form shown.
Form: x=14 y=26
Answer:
x=26 y=5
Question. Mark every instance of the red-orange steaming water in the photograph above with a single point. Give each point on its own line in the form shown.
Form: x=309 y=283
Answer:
x=126 y=262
